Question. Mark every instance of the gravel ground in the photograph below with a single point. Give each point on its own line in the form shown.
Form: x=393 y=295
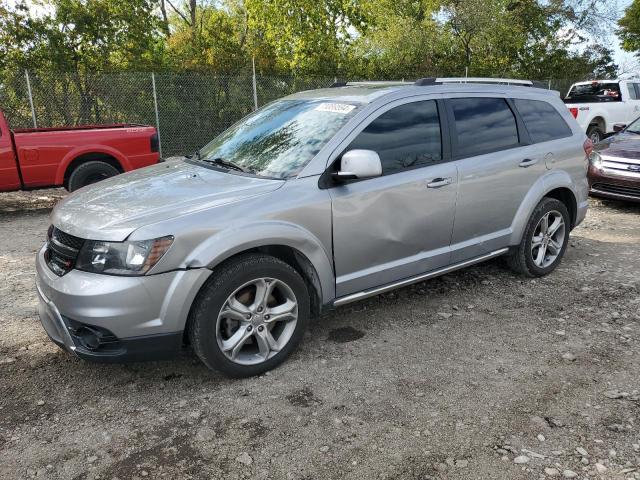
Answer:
x=477 y=374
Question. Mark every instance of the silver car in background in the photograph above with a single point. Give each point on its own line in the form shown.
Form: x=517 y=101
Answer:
x=316 y=200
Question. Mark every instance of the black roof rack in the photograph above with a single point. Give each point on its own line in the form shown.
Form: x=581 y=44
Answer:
x=422 y=82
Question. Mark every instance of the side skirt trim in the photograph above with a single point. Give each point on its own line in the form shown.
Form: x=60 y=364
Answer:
x=418 y=278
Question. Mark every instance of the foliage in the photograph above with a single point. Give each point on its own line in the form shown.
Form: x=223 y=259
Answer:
x=344 y=38
x=629 y=28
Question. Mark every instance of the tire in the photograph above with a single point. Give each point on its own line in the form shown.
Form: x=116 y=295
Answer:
x=90 y=172
x=218 y=319
x=525 y=258
x=595 y=134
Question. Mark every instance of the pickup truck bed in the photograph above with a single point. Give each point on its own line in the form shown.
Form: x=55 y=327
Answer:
x=45 y=157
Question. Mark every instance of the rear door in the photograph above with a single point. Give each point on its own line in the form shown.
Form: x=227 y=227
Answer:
x=9 y=176
x=496 y=169
x=397 y=225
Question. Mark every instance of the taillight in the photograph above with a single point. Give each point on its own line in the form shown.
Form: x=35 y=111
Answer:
x=588 y=147
x=155 y=143
x=574 y=112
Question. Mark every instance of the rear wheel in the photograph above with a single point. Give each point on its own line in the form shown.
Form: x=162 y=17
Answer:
x=90 y=172
x=544 y=241
x=595 y=134
x=250 y=316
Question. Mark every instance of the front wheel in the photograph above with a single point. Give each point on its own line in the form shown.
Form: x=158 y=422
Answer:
x=544 y=241
x=250 y=317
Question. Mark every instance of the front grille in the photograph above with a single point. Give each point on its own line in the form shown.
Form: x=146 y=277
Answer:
x=617 y=189
x=62 y=251
x=627 y=166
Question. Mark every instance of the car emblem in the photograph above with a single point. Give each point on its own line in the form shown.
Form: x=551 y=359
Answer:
x=634 y=168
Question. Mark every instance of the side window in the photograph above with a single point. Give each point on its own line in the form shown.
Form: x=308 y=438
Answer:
x=483 y=125
x=542 y=120
x=633 y=94
x=405 y=136
x=637 y=88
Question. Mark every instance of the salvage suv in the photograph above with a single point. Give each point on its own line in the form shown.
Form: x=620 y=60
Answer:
x=316 y=200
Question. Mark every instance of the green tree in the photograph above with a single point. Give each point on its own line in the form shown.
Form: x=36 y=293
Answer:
x=629 y=28
x=305 y=36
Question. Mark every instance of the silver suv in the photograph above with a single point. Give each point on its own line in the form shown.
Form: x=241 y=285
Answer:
x=316 y=200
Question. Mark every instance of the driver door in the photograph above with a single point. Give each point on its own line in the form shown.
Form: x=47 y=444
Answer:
x=400 y=224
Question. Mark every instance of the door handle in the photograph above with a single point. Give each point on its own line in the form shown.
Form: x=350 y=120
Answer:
x=439 y=182
x=528 y=162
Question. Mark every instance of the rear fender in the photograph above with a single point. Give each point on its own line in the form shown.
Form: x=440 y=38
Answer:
x=552 y=180
x=227 y=243
x=85 y=149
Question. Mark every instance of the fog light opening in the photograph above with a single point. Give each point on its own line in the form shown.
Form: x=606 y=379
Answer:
x=89 y=338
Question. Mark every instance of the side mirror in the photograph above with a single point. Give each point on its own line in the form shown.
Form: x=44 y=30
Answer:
x=618 y=127
x=359 y=164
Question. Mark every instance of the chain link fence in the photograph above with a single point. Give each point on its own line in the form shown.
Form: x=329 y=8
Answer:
x=189 y=109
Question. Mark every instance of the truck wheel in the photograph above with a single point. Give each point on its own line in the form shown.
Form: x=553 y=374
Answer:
x=250 y=316
x=90 y=172
x=595 y=134
x=544 y=241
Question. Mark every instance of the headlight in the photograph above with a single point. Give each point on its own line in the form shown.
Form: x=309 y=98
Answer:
x=122 y=258
x=595 y=159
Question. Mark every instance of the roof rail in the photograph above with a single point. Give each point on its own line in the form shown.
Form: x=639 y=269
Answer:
x=380 y=83
x=499 y=81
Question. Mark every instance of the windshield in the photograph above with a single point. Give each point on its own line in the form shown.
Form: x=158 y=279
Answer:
x=633 y=127
x=279 y=139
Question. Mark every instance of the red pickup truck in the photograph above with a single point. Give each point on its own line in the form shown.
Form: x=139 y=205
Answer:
x=72 y=157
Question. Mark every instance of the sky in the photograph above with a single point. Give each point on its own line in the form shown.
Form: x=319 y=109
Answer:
x=621 y=57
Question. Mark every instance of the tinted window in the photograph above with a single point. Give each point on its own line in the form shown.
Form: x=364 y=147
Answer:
x=404 y=137
x=637 y=88
x=543 y=122
x=483 y=125
x=632 y=91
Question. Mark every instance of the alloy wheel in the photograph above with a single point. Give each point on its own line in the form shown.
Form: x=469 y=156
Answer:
x=548 y=239
x=257 y=321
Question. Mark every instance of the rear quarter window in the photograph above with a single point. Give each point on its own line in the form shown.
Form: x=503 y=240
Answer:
x=542 y=120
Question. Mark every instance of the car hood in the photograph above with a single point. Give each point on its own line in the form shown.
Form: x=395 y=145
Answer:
x=114 y=208
x=622 y=145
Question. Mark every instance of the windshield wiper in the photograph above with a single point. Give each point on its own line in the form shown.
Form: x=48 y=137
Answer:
x=194 y=154
x=224 y=163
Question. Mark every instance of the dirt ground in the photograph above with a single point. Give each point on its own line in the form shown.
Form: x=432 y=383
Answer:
x=477 y=374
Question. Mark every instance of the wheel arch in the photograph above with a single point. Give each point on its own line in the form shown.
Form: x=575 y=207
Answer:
x=289 y=242
x=600 y=122
x=556 y=184
x=88 y=153
x=566 y=196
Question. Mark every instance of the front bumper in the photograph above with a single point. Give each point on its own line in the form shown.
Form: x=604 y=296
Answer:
x=607 y=184
x=138 y=318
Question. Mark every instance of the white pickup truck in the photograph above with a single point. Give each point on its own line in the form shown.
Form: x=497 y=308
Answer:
x=602 y=107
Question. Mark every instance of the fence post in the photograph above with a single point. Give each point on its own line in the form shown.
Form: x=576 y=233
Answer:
x=33 y=110
x=255 y=88
x=155 y=106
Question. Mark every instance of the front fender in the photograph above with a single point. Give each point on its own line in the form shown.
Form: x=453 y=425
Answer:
x=85 y=149
x=552 y=180
x=227 y=243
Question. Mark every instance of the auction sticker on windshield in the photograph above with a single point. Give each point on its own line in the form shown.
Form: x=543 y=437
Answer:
x=342 y=108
